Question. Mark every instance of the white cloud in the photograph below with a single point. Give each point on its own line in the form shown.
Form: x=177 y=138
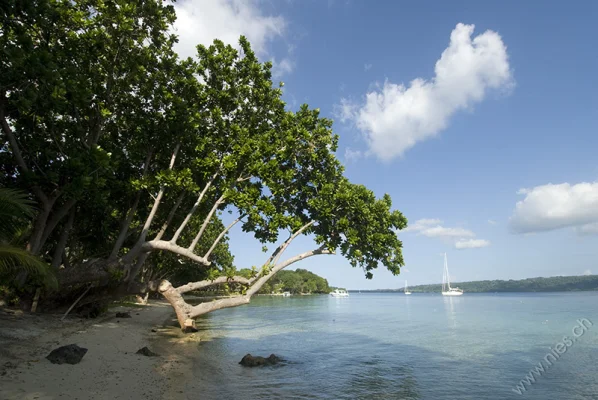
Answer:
x=588 y=229
x=471 y=243
x=395 y=117
x=492 y=222
x=432 y=228
x=587 y=272
x=352 y=155
x=202 y=21
x=440 y=231
x=550 y=207
x=421 y=224
x=367 y=67
x=284 y=67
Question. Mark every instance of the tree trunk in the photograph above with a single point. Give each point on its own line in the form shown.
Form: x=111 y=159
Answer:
x=64 y=235
x=181 y=308
x=34 y=245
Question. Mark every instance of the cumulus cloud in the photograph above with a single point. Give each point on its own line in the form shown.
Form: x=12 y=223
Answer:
x=394 y=117
x=471 y=243
x=367 y=67
x=550 y=207
x=432 y=228
x=202 y=21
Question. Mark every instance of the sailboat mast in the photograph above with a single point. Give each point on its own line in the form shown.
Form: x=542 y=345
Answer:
x=448 y=278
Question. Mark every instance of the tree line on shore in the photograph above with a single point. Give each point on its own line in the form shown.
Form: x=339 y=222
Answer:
x=134 y=165
x=300 y=281
x=550 y=284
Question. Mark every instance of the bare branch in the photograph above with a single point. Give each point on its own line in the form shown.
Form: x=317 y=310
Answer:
x=173 y=248
x=273 y=259
x=170 y=216
x=152 y=214
x=221 y=235
x=178 y=232
x=262 y=280
x=206 y=222
x=132 y=274
x=202 y=284
x=210 y=306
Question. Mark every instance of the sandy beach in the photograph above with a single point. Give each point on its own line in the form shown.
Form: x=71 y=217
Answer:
x=111 y=369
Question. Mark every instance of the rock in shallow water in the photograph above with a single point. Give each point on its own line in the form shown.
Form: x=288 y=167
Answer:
x=69 y=354
x=257 y=361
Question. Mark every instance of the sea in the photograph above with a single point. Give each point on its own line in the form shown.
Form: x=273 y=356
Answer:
x=395 y=346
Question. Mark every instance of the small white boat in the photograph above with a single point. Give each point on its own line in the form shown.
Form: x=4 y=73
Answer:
x=286 y=294
x=407 y=288
x=339 y=293
x=447 y=290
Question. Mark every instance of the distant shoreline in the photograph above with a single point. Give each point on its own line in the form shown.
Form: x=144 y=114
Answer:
x=582 y=283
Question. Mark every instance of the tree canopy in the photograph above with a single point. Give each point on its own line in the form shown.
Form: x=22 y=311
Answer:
x=133 y=156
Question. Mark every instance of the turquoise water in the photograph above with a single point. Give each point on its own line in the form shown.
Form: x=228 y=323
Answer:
x=392 y=346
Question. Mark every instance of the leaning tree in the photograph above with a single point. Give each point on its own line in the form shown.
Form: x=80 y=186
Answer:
x=133 y=156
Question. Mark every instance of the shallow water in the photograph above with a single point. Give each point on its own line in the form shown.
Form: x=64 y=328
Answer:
x=392 y=346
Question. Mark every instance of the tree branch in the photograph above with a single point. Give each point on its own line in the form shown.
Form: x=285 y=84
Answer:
x=16 y=151
x=170 y=217
x=202 y=284
x=59 y=251
x=132 y=274
x=273 y=259
x=152 y=214
x=178 y=232
x=261 y=281
x=203 y=308
x=221 y=235
x=130 y=214
x=56 y=217
x=206 y=222
x=173 y=248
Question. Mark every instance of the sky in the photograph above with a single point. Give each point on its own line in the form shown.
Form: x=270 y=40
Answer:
x=480 y=119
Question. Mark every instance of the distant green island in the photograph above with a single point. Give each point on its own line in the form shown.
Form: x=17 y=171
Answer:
x=300 y=281
x=551 y=284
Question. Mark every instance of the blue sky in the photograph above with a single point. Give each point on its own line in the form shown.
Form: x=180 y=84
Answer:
x=508 y=105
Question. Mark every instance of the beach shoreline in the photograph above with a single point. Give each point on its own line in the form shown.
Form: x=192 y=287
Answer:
x=110 y=369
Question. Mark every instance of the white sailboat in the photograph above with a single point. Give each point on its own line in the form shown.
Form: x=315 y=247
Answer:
x=447 y=290
x=407 y=288
x=339 y=293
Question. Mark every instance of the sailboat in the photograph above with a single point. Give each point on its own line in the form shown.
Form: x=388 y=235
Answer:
x=447 y=290
x=406 y=288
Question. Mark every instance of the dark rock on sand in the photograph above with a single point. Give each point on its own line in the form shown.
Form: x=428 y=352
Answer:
x=257 y=361
x=146 y=352
x=123 y=315
x=69 y=354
